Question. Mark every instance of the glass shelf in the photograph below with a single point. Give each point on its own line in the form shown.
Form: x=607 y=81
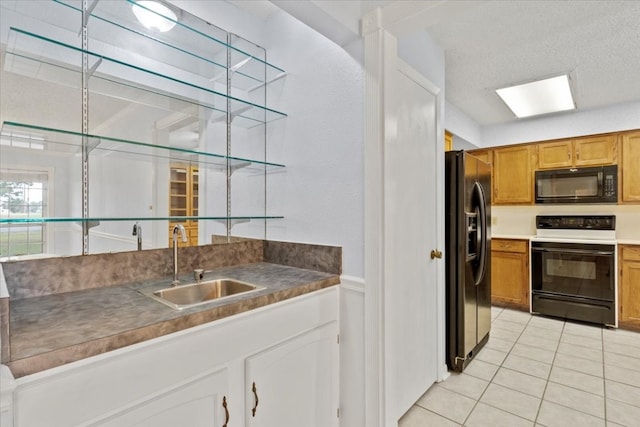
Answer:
x=202 y=48
x=33 y=55
x=69 y=142
x=147 y=102
x=96 y=220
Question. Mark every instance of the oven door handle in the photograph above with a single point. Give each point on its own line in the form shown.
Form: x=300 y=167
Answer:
x=572 y=251
x=482 y=235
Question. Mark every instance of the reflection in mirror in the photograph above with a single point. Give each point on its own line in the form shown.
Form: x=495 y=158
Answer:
x=160 y=112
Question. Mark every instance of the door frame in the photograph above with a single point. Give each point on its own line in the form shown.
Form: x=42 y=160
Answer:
x=380 y=59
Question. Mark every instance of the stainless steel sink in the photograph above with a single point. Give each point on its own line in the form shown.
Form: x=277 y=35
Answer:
x=185 y=296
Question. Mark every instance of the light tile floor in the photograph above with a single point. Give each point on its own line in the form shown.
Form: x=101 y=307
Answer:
x=537 y=371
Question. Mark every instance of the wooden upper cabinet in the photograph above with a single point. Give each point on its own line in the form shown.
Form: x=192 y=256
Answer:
x=513 y=175
x=554 y=155
x=594 y=151
x=448 y=141
x=630 y=170
x=183 y=201
x=588 y=151
x=484 y=155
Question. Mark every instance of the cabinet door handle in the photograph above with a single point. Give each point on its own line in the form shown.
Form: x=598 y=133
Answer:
x=436 y=254
x=226 y=411
x=255 y=394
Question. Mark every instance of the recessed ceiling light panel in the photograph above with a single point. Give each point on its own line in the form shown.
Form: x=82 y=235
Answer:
x=154 y=15
x=539 y=97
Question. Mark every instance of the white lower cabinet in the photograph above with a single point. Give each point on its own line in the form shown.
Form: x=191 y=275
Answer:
x=294 y=384
x=202 y=376
x=198 y=403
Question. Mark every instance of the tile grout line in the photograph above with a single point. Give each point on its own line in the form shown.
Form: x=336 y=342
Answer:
x=546 y=384
x=565 y=385
x=494 y=375
x=568 y=386
x=548 y=379
x=563 y=332
x=438 y=414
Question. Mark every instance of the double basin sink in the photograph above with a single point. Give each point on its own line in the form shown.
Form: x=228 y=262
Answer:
x=185 y=296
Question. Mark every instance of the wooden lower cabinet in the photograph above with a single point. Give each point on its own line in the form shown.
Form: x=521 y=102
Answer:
x=629 y=286
x=510 y=273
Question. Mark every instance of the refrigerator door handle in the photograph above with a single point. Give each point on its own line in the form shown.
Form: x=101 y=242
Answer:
x=478 y=194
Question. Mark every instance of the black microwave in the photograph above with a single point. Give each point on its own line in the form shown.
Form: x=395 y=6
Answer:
x=577 y=185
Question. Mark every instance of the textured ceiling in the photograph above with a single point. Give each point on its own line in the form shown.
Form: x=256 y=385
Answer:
x=499 y=43
x=492 y=44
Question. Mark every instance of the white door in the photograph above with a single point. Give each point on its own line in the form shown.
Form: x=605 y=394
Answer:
x=295 y=383
x=410 y=277
x=203 y=402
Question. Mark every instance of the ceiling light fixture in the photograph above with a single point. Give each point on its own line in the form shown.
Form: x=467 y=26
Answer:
x=154 y=15
x=540 y=97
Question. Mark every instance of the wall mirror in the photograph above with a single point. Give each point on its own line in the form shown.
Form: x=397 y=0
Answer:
x=118 y=114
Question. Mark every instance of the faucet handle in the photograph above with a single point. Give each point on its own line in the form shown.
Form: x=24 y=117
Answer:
x=198 y=274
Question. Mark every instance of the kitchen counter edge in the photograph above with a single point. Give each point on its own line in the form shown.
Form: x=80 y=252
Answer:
x=187 y=319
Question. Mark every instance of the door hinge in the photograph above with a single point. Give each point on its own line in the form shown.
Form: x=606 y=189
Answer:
x=338 y=412
x=338 y=338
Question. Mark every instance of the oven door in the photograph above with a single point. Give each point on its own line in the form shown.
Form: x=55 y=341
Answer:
x=574 y=281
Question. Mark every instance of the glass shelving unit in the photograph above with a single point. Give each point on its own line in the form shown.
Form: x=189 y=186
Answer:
x=53 y=60
x=141 y=102
x=70 y=143
x=133 y=219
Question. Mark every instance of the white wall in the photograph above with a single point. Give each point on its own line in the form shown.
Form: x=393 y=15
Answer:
x=612 y=119
x=321 y=193
x=422 y=53
x=321 y=141
x=463 y=127
x=226 y=16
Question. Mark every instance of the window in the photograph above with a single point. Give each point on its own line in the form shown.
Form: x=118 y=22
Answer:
x=23 y=195
x=22 y=140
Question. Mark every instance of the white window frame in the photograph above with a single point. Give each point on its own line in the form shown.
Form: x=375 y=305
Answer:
x=47 y=247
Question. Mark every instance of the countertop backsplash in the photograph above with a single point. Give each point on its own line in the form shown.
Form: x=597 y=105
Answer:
x=39 y=277
x=521 y=220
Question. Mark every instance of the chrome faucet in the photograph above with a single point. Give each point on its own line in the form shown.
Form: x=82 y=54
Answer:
x=183 y=234
x=137 y=231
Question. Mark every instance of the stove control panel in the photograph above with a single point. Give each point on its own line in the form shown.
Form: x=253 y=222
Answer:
x=576 y=222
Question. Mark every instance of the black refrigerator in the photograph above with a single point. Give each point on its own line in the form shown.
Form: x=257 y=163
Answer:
x=467 y=256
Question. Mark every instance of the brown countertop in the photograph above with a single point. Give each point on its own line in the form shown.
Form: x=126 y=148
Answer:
x=512 y=236
x=53 y=330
